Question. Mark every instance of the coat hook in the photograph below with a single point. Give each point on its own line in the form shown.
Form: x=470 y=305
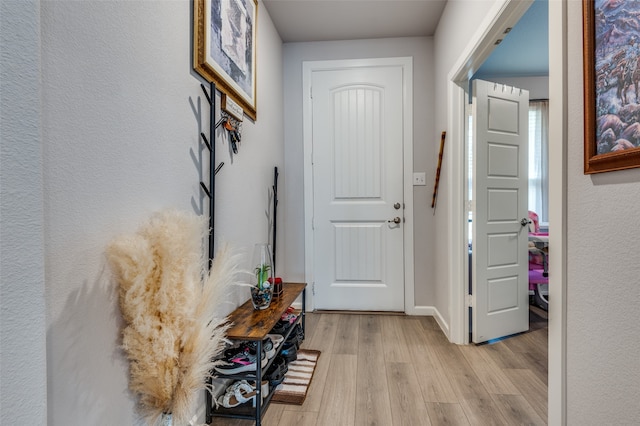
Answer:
x=206 y=142
x=206 y=94
x=205 y=189
x=217 y=169
x=222 y=120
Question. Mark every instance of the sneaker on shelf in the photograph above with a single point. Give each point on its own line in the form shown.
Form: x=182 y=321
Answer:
x=296 y=336
x=289 y=317
x=289 y=352
x=277 y=339
x=281 y=327
x=232 y=351
x=238 y=348
x=240 y=361
x=267 y=346
x=277 y=370
x=300 y=331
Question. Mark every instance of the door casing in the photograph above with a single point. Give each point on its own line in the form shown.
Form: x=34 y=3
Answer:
x=308 y=67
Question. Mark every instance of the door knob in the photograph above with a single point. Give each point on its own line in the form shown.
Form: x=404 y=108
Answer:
x=397 y=206
x=524 y=221
x=395 y=220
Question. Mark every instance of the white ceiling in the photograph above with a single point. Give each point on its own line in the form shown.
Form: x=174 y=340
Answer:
x=324 y=20
x=523 y=53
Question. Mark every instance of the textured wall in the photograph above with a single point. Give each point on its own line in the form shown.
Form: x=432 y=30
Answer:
x=121 y=140
x=603 y=295
x=23 y=398
x=458 y=25
x=424 y=157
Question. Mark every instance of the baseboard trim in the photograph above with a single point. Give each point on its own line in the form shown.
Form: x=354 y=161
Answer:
x=443 y=324
x=425 y=311
x=431 y=311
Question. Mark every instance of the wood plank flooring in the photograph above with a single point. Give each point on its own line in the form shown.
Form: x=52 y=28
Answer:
x=392 y=370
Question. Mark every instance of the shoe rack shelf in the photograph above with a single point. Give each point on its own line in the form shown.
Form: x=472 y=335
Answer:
x=253 y=325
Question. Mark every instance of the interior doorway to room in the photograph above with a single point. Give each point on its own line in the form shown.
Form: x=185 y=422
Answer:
x=504 y=18
x=522 y=22
x=358 y=199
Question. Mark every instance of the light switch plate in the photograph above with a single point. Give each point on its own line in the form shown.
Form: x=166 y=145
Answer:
x=419 y=178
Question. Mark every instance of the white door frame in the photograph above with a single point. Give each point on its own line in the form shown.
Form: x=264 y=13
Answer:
x=505 y=14
x=407 y=142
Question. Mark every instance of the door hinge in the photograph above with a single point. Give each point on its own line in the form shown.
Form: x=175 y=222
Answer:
x=468 y=300
x=311 y=92
x=313 y=223
x=313 y=288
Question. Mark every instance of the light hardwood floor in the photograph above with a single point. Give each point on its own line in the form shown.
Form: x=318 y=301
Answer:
x=401 y=370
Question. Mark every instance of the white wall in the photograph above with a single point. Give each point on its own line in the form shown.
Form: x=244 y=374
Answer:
x=603 y=296
x=23 y=382
x=424 y=153
x=458 y=24
x=118 y=132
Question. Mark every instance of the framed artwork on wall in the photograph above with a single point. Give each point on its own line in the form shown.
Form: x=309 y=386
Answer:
x=611 y=45
x=224 y=48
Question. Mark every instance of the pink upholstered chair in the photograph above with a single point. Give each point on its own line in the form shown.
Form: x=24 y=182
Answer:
x=538 y=266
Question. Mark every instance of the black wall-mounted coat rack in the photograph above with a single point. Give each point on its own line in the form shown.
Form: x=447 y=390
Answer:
x=210 y=190
x=209 y=142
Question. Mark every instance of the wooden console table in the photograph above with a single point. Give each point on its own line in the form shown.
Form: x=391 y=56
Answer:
x=251 y=324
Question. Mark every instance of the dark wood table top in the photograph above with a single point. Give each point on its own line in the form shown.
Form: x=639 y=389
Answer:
x=251 y=324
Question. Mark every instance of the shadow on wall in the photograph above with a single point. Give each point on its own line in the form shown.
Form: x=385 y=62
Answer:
x=87 y=370
x=197 y=158
x=207 y=140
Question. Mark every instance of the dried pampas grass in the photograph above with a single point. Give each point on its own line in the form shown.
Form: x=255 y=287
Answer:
x=171 y=309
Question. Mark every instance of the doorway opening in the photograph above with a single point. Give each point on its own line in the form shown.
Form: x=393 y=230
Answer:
x=520 y=60
x=501 y=19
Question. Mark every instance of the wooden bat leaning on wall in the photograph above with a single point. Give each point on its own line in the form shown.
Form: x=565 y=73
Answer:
x=435 y=188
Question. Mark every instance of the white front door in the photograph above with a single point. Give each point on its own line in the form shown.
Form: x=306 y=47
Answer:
x=500 y=290
x=358 y=261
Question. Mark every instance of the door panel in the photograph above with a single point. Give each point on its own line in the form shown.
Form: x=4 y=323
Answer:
x=500 y=301
x=357 y=179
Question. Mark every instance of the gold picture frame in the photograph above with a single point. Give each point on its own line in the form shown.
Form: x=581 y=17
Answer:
x=611 y=68
x=224 y=48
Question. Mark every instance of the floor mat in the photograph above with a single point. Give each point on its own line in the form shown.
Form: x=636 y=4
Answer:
x=293 y=390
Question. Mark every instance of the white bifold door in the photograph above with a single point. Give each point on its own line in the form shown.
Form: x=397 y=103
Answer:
x=500 y=289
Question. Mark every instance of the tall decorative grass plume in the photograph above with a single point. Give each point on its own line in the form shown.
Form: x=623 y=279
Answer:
x=171 y=306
